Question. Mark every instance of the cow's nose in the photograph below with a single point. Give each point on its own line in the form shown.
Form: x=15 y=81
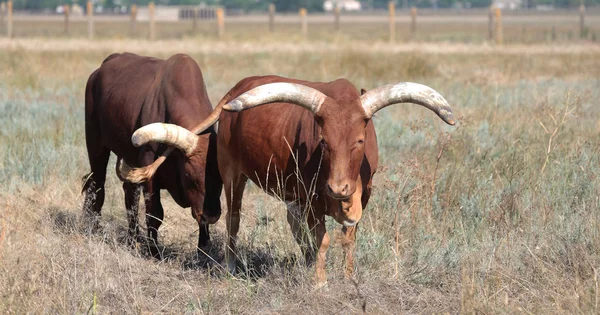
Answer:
x=341 y=191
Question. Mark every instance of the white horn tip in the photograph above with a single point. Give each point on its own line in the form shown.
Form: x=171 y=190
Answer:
x=136 y=139
x=447 y=116
x=233 y=106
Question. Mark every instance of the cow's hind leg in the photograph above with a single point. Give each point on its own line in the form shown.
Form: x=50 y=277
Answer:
x=154 y=216
x=132 y=203
x=234 y=190
x=93 y=186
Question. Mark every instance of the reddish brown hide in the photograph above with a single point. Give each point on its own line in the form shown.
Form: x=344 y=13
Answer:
x=313 y=146
x=334 y=153
x=128 y=92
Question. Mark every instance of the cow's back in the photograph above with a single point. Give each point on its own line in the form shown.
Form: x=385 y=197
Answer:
x=129 y=91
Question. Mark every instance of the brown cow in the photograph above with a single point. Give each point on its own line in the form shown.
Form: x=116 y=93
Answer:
x=320 y=155
x=129 y=91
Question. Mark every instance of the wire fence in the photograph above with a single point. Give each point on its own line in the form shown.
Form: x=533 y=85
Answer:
x=165 y=22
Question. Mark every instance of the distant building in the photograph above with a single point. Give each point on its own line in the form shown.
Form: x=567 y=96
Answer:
x=345 y=5
x=544 y=7
x=76 y=9
x=508 y=4
x=177 y=13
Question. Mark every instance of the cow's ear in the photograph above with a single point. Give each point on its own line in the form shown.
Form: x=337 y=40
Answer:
x=363 y=91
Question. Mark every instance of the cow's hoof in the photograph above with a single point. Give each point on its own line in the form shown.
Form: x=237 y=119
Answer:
x=320 y=285
x=231 y=266
x=349 y=276
x=155 y=253
x=90 y=224
x=204 y=246
x=131 y=240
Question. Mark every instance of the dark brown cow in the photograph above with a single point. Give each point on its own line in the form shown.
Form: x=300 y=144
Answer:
x=128 y=92
x=319 y=156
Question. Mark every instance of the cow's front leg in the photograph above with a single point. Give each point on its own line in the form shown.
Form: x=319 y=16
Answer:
x=349 y=232
x=154 y=216
x=209 y=213
x=204 y=234
x=348 y=244
x=132 y=201
x=317 y=226
x=297 y=221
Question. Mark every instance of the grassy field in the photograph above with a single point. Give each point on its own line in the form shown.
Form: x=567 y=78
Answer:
x=497 y=215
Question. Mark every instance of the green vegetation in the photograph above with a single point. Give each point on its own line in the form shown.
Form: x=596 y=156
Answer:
x=497 y=215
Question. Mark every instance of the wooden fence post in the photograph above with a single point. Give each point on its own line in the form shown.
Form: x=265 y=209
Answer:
x=582 y=30
x=303 y=21
x=491 y=23
x=195 y=20
x=151 y=9
x=498 y=17
x=413 y=22
x=220 y=22
x=337 y=11
x=133 y=21
x=67 y=26
x=9 y=19
x=2 y=13
x=392 y=11
x=271 y=17
x=90 y=16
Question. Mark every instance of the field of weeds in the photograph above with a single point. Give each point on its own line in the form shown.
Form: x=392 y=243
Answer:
x=497 y=215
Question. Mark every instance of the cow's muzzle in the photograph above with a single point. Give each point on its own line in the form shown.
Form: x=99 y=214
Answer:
x=340 y=191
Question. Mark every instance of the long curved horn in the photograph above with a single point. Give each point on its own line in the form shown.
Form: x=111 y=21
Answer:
x=170 y=134
x=407 y=92
x=298 y=94
x=173 y=135
x=139 y=175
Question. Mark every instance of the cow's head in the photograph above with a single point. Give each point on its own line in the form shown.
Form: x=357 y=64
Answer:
x=343 y=129
x=198 y=171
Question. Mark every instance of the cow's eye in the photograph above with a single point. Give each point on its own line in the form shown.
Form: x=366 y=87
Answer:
x=361 y=141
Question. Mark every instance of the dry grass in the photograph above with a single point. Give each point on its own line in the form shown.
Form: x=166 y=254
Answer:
x=498 y=215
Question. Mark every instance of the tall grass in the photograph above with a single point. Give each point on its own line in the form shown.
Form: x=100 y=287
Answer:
x=497 y=215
